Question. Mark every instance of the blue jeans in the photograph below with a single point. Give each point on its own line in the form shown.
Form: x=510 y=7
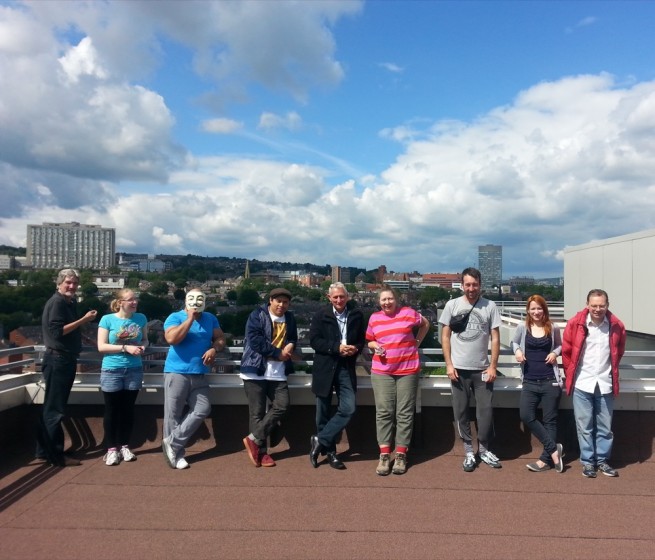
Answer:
x=544 y=392
x=121 y=379
x=593 y=422
x=330 y=428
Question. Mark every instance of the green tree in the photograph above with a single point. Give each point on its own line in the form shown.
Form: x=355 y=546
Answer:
x=158 y=288
x=12 y=321
x=247 y=296
x=314 y=295
x=88 y=289
x=231 y=295
x=325 y=286
x=154 y=307
x=133 y=279
x=93 y=303
x=432 y=295
x=234 y=323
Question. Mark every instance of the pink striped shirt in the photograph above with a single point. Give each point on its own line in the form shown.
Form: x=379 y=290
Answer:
x=395 y=333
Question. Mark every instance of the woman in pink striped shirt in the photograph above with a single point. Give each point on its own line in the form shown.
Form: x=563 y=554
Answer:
x=394 y=376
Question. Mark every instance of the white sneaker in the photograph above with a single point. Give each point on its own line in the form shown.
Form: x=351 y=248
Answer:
x=181 y=463
x=111 y=458
x=470 y=462
x=169 y=453
x=491 y=460
x=127 y=455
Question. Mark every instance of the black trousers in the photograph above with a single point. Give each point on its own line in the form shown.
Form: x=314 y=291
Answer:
x=59 y=374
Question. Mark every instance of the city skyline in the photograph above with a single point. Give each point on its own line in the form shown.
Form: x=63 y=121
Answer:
x=341 y=132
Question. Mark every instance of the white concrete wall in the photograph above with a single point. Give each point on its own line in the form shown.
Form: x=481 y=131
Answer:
x=622 y=266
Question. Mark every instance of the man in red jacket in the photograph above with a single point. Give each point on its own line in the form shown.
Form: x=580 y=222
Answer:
x=592 y=348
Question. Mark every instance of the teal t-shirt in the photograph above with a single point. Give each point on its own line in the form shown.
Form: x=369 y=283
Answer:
x=123 y=331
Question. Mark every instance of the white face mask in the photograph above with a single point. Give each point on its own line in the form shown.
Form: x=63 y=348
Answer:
x=195 y=301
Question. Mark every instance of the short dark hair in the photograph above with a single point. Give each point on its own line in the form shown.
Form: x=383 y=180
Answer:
x=473 y=272
x=597 y=292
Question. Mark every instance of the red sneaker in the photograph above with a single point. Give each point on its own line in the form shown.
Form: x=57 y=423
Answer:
x=266 y=460
x=253 y=451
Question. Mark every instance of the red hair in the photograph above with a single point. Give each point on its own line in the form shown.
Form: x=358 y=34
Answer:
x=541 y=302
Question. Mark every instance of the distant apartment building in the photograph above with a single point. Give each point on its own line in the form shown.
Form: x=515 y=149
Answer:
x=139 y=262
x=149 y=265
x=311 y=279
x=399 y=281
x=7 y=262
x=517 y=281
x=490 y=263
x=72 y=245
x=340 y=274
x=290 y=275
x=109 y=282
x=441 y=280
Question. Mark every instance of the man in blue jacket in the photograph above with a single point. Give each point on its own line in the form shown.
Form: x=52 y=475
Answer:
x=271 y=336
x=337 y=337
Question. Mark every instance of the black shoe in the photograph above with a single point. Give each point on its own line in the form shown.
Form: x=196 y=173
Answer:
x=534 y=467
x=314 y=450
x=607 y=470
x=334 y=461
x=588 y=471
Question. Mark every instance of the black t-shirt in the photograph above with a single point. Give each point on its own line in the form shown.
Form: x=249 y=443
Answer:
x=57 y=313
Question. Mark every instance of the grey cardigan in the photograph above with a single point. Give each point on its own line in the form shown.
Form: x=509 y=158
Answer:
x=518 y=342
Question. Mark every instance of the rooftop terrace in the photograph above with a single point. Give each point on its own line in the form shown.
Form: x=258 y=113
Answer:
x=223 y=507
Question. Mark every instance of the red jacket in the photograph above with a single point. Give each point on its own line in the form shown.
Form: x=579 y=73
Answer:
x=573 y=341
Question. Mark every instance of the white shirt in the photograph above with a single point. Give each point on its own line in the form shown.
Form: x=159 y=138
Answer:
x=342 y=321
x=595 y=365
x=275 y=369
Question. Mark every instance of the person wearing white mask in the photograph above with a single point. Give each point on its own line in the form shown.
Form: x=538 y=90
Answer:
x=195 y=338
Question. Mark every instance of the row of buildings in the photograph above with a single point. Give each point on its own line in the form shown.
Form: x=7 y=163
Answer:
x=59 y=245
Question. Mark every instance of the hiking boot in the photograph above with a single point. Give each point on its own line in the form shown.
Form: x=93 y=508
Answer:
x=384 y=466
x=400 y=464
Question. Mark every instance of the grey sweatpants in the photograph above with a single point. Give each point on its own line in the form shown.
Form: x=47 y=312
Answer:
x=470 y=383
x=180 y=390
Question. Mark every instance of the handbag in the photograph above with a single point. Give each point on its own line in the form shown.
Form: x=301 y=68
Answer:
x=459 y=322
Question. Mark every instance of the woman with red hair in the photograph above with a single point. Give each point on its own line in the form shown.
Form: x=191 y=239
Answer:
x=536 y=344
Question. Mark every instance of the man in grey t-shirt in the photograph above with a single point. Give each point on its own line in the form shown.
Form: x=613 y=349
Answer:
x=469 y=368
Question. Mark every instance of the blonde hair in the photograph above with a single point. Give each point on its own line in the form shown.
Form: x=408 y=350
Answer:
x=115 y=304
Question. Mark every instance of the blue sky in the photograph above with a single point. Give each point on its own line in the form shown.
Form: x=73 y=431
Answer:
x=350 y=133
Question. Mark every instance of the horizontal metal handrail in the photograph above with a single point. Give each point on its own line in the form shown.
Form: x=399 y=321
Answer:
x=430 y=358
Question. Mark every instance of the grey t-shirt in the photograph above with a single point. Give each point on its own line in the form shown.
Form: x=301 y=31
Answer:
x=470 y=348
